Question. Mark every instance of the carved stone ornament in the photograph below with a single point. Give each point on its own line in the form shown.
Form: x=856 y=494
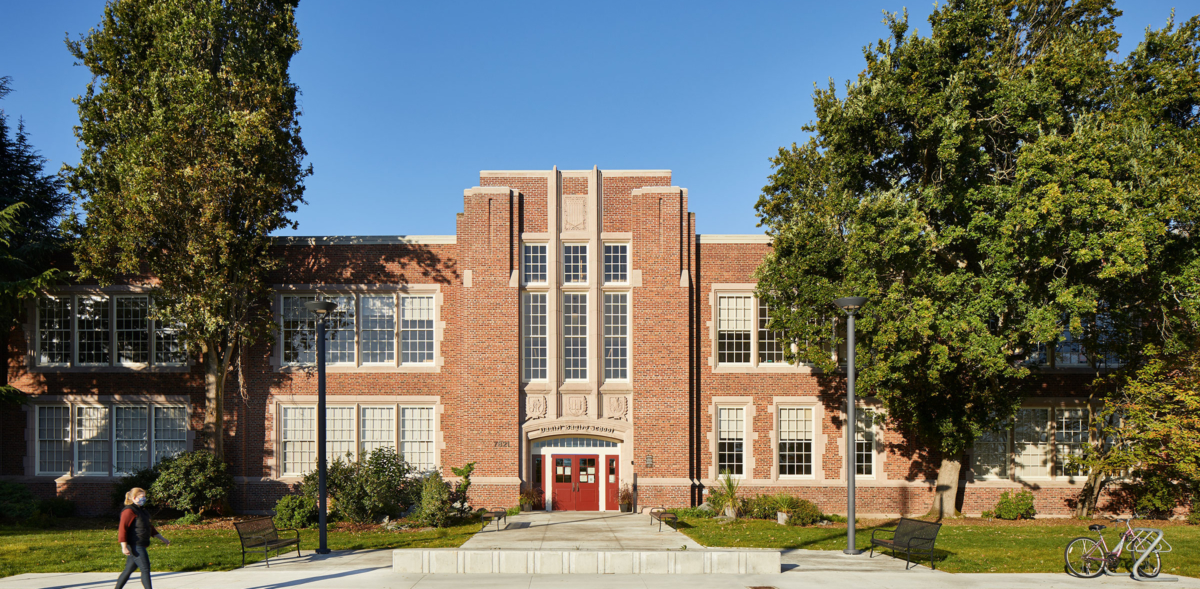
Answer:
x=535 y=406
x=574 y=213
x=576 y=406
x=616 y=407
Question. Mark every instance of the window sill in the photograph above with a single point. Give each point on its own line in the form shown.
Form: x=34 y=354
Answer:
x=366 y=368
x=123 y=369
x=760 y=369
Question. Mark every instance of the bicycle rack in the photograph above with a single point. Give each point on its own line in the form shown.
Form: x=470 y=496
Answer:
x=1146 y=541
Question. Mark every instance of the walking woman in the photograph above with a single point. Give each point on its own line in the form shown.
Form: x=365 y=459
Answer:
x=134 y=535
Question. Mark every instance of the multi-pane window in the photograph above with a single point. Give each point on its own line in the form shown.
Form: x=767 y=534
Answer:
x=170 y=432
x=299 y=440
x=731 y=435
x=770 y=343
x=91 y=326
x=416 y=329
x=616 y=262
x=132 y=427
x=1070 y=438
x=339 y=332
x=533 y=335
x=1031 y=442
x=54 y=331
x=299 y=330
x=795 y=441
x=575 y=264
x=92 y=445
x=339 y=433
x=133 y=330
x=616 y=336
x=378 y=330
x=575 y=347
x=95 y=330
x=377 y=427
x=54 y=440
x=991 y=454
x=533 y=262
x=416 y=436
x=864 y=442
x=734 y=322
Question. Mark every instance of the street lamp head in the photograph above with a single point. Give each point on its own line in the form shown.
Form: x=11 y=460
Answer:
x=320 y=308
x=850 y=304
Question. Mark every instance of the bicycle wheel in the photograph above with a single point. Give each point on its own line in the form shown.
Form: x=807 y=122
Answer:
x=1151 y=566
x=1085 y=558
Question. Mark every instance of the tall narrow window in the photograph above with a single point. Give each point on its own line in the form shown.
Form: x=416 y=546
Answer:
x=616 y=262
x=378 y=330
x=132 y=439
x=92 y=444
x=795 y=441
x=133 y=330
x=92 y=329
x=416 y=436
x=377 y=428
x=733 y=328
x=533 y=332
x=770 y=343
x=1070 y=438
x=616 y=336
x=170 y=432
x=1031 y=441
x=533 y=263
x=991 y=454
x=416 y=329
x=864 y=442
x=339 y=331
x=299 y=330
x=54 y=440
x=168 y=348
x=575 y=348
x=731 y=435
x=54 y=331
x=299 y=440
x=339 y=433
x=575 y=264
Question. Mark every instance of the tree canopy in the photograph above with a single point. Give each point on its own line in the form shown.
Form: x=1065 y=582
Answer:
x=191 y=157
x=990 y=187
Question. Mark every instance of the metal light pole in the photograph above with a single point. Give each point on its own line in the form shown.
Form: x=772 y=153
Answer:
x=321 y=309
x=850 y=305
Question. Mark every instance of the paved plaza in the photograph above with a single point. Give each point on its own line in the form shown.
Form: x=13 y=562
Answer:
x=580 y=530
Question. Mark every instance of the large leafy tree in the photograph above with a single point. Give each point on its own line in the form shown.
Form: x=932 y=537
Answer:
x=990 y=187
x=191 y=158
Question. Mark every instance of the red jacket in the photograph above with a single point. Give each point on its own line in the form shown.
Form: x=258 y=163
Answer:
x=128 y=520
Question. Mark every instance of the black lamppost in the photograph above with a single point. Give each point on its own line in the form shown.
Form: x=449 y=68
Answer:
x=321 y=309
x=850 y=305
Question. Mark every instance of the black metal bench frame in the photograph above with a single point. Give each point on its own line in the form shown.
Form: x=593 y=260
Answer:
x=495 y=515
x=256 y=536
x=912 y=536
x=660 y=514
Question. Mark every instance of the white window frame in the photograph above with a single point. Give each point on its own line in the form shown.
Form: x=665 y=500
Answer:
x=547 y=271
x=1050 y=455
x=584 y=266
x=111 y=406
x=585 y=337
x=283 y=440
x=627 y=254
x=400 y=330
x=70 y=331
x=115 y=409
x=814 y=435
x=627 y=338
x=714 y=323
x=860 y=411
x=69 y=454
x=747 y=417
x=527 y=336
x=357 y=405
x=113 y=362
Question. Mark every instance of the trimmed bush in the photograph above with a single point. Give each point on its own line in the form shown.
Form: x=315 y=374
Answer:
x=805 y=513
x=435 y=501
x=295 y=511
x=368 y=488
x=191 y=482
x=694 y=512
x=16 y=501
x=1013 y=506
x=761 y=507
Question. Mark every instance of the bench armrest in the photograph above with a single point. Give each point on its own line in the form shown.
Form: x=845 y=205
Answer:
x=885 y=531
x=921 y=540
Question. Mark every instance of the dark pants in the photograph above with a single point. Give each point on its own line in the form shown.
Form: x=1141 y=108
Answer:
x=139 y=559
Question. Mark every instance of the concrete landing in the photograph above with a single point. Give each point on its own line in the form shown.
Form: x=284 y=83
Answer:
x=580 y=530
x=454 y=561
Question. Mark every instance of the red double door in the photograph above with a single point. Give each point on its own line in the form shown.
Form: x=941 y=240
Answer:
x=576 y=481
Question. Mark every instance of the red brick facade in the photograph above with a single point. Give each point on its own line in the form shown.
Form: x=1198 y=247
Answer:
x=660 y=418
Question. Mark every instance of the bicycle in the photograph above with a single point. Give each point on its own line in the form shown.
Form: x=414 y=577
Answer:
x=1086 y=558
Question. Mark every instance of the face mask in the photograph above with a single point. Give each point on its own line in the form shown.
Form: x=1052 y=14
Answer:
x=140 y=500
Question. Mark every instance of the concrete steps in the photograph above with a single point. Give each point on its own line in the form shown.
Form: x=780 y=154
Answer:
x=585 y=562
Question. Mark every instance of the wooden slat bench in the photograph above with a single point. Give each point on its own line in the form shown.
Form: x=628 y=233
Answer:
x=260 y=533
x=661 y=514
x=911 y=536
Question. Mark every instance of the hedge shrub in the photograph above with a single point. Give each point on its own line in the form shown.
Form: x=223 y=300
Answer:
x=191 y=482
x=295 y=511
x=435 y=502
x=1017 y=505
x=16 y=501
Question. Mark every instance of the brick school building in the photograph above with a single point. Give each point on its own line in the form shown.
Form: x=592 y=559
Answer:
x=574 y=332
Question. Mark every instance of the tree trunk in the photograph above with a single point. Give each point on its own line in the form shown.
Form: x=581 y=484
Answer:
x=945 y=495
x=1089 y=496
x=216 y=365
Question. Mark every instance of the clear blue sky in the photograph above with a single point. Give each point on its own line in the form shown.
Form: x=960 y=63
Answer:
x=404 y=102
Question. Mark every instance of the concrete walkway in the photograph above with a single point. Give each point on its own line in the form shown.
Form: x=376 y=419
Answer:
x=579 y=530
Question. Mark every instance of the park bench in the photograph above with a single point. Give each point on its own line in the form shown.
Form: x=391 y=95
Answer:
x=495 y=515
x=911 y=536
x=260 y=533
x=661 y=514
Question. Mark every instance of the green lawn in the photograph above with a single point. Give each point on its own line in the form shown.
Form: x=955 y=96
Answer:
x=90 y=545
x=968 y=546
